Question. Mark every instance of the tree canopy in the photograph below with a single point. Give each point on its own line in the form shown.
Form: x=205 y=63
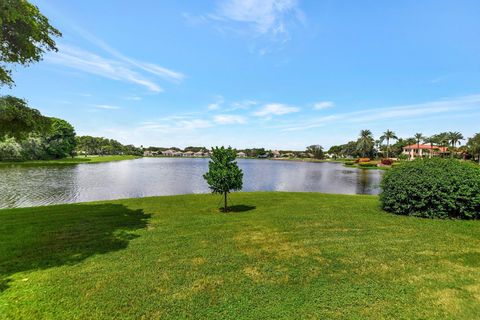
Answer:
x=60 y=141
x=103 y=146
x=25 y=35
x=17 y=120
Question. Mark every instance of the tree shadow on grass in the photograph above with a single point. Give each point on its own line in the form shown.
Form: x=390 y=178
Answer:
x=45 y=237
x=240 y=208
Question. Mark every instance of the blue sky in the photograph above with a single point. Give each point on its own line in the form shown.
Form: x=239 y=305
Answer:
x=259 y=73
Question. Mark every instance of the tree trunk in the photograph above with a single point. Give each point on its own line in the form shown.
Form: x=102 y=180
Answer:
x=388 y=148
x=224 y=202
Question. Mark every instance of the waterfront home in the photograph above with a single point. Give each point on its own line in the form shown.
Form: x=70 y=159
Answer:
x=241 y=154
x=188 y=154
x=148 y=153
x=423 y=150
x=198 y=154
x=168 y=153
x=276 y=154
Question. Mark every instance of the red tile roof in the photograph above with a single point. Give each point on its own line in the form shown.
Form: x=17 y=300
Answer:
x=426 y=146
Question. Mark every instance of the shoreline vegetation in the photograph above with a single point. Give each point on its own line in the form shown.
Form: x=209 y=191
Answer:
x=276 y=254
x=69 y=161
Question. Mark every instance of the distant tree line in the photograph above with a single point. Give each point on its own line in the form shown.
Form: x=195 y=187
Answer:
x=88 y=145
x=25 y=134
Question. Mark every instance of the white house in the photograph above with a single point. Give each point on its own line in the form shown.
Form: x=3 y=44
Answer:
x=241 y=154
x=423 y=150
x=148 y=153
x=276 y=154
x=168 y=153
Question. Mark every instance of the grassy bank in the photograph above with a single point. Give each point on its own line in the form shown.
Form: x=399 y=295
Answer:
x=278 y=255
x=67 y=161
x=344 y=161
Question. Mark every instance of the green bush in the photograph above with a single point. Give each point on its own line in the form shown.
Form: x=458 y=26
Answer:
x=433 y=188
x=367 y=165
x=349 y=163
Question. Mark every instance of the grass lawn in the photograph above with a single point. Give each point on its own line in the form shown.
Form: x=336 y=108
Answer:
x=278 y=255
x=67 y=161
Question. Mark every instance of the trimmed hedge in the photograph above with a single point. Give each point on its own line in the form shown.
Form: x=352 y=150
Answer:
x=433 y=188
x=367 y=165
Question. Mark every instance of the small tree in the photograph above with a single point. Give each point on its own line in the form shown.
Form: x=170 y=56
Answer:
x=223 y=174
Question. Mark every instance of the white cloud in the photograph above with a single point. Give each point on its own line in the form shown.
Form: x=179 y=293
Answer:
x=155 y=69
x=266 y=16
x=219 y=100
x=275 y=109
x=323 y=105
x=174 y=124
x=213 y=106
x=195 y=124
x=395 y=113
x=133 y=98
x=106 y=106
x=92 y=63
x=242 y=105
x=229 y=119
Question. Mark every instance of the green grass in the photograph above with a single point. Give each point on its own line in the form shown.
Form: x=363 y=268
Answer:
x=277 y=255
x=70 y=161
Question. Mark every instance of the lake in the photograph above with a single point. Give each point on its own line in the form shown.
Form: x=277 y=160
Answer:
x=23 y=186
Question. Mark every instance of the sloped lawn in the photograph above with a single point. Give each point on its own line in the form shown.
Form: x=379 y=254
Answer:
x=277 y=255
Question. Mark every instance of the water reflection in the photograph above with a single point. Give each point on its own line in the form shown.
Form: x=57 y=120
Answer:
x=30 y=186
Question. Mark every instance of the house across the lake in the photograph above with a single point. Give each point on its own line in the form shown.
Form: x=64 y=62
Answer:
x=423 y=150
x=241 y=154
x=169 y=153
x=148 y=153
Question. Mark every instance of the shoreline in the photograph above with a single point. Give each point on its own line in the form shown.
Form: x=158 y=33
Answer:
x=69 y=161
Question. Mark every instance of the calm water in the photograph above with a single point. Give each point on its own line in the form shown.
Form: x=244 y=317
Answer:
x=31 y=186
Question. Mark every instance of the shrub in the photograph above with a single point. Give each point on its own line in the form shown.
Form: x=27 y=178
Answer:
x=433 y=188
x=349 y=163
x=387 y=162
x=367 y=165
x=360 y=160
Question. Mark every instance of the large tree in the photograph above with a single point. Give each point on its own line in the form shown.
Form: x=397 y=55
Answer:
x=25 y=35
x=17 y=120
x=388 y=135
x=60 y=141
x=223 y=174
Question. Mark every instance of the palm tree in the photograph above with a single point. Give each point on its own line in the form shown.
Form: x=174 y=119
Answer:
x=474 y=145
x=454 y=139
x=431 y=141
x=387 y=135
x=418 y=137
x=366 y=142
